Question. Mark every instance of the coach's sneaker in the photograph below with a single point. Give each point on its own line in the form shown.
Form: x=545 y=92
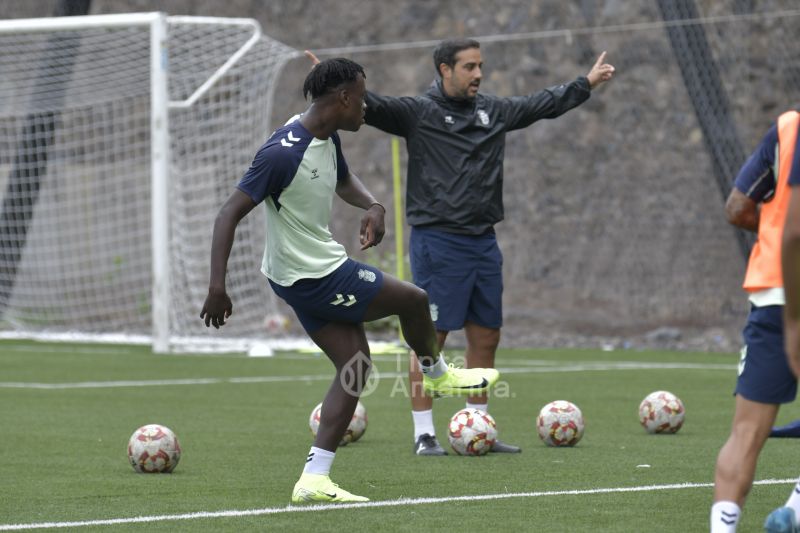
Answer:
x=460 y=381
x=428 y=445
x=501 y=447
x=781 y=520
x=316 y=488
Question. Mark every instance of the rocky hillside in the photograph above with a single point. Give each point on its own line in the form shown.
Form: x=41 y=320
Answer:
x=614 y=230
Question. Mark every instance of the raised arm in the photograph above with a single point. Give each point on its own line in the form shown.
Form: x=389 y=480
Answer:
x=522 y=111
x=218 y=307
x=601 y=72
x=352 y=190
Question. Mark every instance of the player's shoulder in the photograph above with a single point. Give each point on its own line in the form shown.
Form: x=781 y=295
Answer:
x=290 y=134
x=284 y=148
x=291 y=138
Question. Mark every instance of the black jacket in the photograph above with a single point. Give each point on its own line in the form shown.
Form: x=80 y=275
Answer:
x=455 y=149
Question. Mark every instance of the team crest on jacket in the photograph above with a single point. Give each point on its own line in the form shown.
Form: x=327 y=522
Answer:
x=366 y=275
x=483 y=116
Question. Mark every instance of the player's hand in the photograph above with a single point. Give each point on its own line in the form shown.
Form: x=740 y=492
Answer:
x=216 y=309
x=311 y=57
x=372 y=226
x=601 y=72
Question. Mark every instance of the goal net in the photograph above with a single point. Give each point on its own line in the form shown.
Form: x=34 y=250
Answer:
x=120 y=137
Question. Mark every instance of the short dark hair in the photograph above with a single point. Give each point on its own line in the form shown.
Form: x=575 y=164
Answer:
x=330 y=74
x=446 y=51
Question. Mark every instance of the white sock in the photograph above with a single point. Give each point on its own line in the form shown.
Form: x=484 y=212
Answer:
x=794 y=500
x=724 y=517
x=479 y=406
x=319 y=461
x=438 y=369
x=423 y=423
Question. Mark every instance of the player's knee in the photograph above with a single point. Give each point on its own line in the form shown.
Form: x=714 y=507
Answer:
x=419 y=299
x=354 y=372
x=748 y=436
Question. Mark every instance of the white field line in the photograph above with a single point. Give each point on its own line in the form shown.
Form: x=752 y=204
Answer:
x=573 y=367
x=402 y=502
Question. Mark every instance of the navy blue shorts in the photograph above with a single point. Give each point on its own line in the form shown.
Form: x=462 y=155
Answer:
x=341 y=296
x=462 y=274
x=764 y=373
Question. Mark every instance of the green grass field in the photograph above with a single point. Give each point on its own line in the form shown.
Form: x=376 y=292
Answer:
x=244 y=442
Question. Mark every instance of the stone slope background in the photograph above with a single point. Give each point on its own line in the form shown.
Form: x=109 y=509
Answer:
x=615 y=232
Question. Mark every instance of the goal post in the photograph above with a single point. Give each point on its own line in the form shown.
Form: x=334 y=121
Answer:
x=120 y=136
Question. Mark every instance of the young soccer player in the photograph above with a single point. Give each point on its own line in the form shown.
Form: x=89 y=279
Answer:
x=295 y=174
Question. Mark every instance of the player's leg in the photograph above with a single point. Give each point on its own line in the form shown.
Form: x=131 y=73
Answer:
x=410 y=304
x=482 y=345
x=425 y=441
x=346 y=346
x=422 y=270
x=330 y=309
x=765 y=381
x=485 y=318
x=736 y=462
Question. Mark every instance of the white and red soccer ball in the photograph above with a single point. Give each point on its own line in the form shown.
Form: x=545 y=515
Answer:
x=472 y=432
x=560 y=423
x=661 y=412
x=355 y=429
x=154 y=449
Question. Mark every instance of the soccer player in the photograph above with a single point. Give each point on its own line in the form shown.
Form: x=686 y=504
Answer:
x=784 y=519
x=455 y=137
x=295 y=174
x=758 y=203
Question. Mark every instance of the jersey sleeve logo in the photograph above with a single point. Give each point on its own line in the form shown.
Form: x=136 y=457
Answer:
x=291 y=138
x=366 y=275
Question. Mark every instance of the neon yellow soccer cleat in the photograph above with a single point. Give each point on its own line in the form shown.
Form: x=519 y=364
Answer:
x=316 y=488
x=461 y=381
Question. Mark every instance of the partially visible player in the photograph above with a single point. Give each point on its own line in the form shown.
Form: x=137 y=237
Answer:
x=758 y=203
x=784 y=519
x=295 y=174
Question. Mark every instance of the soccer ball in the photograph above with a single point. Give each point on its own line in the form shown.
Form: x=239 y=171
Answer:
x=560 y=423
x=154 y=449
x=472 y=432
x=276 y=323
x=661 y=412
x=355 y=429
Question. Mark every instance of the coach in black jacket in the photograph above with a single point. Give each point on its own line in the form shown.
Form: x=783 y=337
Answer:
x=455 y=139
